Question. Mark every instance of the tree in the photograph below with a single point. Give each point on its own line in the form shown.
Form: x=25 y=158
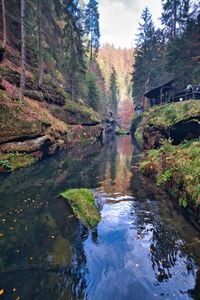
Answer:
x=74 y=54
x=92 y=25
x=182 y=54
x=4 y=24
x=114 y=91
x=143 y=55
x=93 y=91
x=23 y=52
x=175 y=15
x=41 y=44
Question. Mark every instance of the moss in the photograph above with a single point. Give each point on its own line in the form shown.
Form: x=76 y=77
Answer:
x=21 y=161
x=176 y=168
x=121 y=132
x=75 y=113
x=83 y=204
x=139 y=135
x=16 y=161
x=169 y=114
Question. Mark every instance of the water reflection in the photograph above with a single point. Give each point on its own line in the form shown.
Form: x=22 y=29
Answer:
x=143 y=248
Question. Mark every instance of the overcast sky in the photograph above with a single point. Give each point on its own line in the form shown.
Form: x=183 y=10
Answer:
x=119 y=19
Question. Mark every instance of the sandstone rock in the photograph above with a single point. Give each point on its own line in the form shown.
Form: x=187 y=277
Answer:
x=34 y=94
x=27 y=146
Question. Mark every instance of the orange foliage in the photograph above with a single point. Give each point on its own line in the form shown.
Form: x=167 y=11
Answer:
x=126 y=113
x=122 y=60
x=10 y=89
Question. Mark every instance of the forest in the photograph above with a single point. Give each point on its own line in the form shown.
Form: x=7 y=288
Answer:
x=170 y=52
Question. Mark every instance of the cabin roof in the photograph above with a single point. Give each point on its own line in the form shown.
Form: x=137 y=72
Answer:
x=155 y=92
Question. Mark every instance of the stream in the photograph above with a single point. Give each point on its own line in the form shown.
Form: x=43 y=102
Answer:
x=144 y=248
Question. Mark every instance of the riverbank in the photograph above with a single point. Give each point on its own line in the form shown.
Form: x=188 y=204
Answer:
x=47 y=121
x=171 y=156
x=176 y=169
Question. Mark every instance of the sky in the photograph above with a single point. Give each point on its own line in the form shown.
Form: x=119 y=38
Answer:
x=119 y=20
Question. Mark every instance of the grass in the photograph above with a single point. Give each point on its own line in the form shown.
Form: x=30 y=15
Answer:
x=83 y=204
x=177 y=169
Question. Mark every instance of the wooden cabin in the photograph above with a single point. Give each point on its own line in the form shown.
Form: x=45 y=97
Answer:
x=161 y=94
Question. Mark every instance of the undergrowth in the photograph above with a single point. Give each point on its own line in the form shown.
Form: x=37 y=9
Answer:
x=176 y=168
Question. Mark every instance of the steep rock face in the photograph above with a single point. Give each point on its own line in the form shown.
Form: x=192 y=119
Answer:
x=46 y=122
x=175 y=121
x=28 y=146
x=29 y=131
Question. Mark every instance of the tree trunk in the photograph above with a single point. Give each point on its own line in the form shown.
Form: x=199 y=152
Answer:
x=175 y=18
x=23 y=52
x=91 y=48
x=4 y=24
x=41 y=48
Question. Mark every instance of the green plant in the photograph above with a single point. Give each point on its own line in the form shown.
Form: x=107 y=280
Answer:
x=5 y=164
x=164 y=178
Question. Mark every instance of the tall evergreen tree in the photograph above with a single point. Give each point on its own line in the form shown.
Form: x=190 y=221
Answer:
x=74 y=63
x=144 y=55
x=41 y=43
x=23 y=52
x=4 y=24
x=175 y=15
x=93 y=92
x=114 y=91
x=92 y=25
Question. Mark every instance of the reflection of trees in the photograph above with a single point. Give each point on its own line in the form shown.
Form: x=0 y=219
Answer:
x=164 y=251
x=42 y=242
x=166 y=247
x=117 y=158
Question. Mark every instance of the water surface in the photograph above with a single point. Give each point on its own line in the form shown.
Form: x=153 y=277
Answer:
x=142 y=249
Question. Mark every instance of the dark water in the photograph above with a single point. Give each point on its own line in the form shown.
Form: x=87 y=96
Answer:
x=143 y=248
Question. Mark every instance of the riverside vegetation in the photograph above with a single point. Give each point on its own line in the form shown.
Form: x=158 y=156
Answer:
x=169 y=134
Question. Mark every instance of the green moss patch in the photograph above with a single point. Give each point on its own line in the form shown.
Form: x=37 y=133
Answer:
x=11 y=161
x=83 y=204
x=121 y=132
x=176 y=168
x=169 y=114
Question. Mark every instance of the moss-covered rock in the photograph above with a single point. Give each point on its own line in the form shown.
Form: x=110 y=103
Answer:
x=168 y=114
x=83 y=204
x=11 y=161
x=177 y=121
x=121 y=132
x=75 y=113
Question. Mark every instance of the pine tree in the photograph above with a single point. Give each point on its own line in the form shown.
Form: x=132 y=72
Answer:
x=23 y=52
x=4 y=24
x=182 y=54
x=92 y=24
x=93 y=92
x=143 y=55
x=175 y=15
x=41 y=44
x=73 y=60
x=114 y=91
